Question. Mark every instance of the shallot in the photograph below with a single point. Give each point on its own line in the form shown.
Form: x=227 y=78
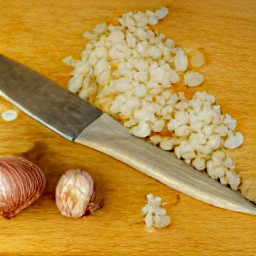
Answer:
x=21 y=183
x=76 y=194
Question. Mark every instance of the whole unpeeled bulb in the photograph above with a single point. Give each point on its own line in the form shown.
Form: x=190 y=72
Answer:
x=21 y=183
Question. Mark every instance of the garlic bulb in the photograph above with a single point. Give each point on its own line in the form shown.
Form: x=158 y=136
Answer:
x=21 y=183
x=76 y=194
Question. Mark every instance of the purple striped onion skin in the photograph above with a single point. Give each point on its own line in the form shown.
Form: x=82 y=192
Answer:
x=76 y=194
x=21 y=183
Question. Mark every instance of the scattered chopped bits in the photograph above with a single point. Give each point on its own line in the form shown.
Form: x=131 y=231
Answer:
x=193 y=79
x=197 y=60
x=155 y=216
x=9 y=115
x=128 y=71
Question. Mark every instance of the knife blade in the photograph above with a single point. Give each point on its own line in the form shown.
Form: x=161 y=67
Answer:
x=78 y=121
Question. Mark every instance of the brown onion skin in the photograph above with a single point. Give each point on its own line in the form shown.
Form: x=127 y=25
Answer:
x=21 y=183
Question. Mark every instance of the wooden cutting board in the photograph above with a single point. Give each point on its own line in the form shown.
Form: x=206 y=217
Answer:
x=39 y=34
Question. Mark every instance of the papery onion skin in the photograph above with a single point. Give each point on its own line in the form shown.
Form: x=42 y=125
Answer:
x=21 y=183
x=76 y=194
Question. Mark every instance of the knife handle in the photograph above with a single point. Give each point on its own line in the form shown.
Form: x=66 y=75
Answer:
x=107 y=135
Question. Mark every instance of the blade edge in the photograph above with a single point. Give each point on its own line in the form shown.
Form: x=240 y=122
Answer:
x=43 y=100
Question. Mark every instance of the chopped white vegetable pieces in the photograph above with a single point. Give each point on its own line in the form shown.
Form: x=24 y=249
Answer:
x=197 y=60
x=181 y=60
x=155 y=216
x=128 y=71
x=9 y=115
x=234 y=140
x=193 y=78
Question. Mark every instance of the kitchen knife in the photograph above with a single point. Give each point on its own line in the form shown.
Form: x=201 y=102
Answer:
x=78 y=121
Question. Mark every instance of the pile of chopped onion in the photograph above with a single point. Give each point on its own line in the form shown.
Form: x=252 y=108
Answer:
x=128 y=71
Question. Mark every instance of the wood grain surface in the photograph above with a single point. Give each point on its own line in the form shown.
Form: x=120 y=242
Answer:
x=39 y=34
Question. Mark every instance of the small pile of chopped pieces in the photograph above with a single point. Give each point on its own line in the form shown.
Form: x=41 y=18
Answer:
x=128 y=70
x=155 y=216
